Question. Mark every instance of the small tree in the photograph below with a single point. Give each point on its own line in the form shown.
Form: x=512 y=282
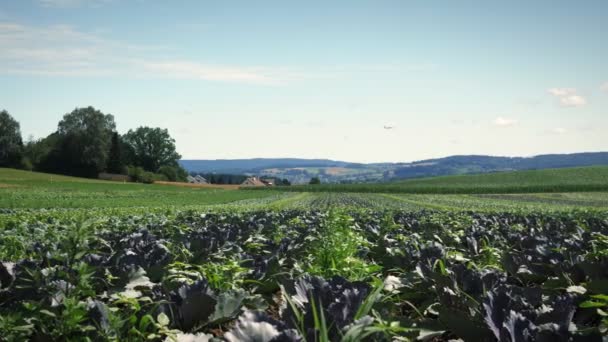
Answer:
x=168 y=171
x=11 y=144
x=314 y=181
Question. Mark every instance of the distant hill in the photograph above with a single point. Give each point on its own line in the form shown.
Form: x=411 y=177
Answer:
x=332 y=171
x=257 y=164
x=456 y=165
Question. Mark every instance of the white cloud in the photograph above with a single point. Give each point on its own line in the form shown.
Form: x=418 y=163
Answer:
x=61 y=50
x=573 y=101
x=568 y=97
x=562 y=91
x=191 y=70
x=559 y=130
x=54 y=49
x=505 y=122
x=604 y=87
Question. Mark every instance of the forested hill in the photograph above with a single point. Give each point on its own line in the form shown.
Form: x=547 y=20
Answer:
x=481 y=164
x=254 y=164
x=301 y=170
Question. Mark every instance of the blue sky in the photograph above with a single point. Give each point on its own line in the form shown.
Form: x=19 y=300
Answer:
x=317 y=79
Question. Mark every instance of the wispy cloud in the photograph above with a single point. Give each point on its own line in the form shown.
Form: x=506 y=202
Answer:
x=53 y=50
x=604 y=87
x=505 y=122
x=72 y=3
x=568 y=97
x=61 y=50
x=191 y=70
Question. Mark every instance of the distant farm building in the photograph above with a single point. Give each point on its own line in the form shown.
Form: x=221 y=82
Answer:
x=254 y=181
x=198 y=179
x=267 y=181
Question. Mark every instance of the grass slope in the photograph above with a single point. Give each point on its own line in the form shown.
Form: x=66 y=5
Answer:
x=23 y=189
x=549 y=180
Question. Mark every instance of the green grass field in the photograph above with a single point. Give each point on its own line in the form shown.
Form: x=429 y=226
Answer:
x=537 y=181
x=22 y=189
x=56 y=229
x=31 y=190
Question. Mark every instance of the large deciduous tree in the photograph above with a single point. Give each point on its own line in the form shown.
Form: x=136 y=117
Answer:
x=11 y=143
x=151 y=148
x=85 y=137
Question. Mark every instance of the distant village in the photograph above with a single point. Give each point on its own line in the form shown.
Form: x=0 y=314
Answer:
x=249 y=181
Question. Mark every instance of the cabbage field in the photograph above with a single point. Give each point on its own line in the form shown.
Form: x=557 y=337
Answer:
x=336 y=274
x=161 y=263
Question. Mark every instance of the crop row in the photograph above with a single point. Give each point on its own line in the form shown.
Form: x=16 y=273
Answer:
x=295 y=275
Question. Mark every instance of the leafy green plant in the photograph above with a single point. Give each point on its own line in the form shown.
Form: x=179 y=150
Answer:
x=600 y=304
x=599 y=245
x=489 y=256
x=335 y=250
x=223 y=274
x=14 y=327
x=130 y=316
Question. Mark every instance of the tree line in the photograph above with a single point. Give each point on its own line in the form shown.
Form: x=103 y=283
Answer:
x=86 y=143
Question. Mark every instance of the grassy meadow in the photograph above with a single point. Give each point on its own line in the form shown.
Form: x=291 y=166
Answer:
x=23 y=189
x=32 y=190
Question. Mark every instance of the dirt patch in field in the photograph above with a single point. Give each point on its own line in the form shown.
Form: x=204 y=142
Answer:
x=2 y=185
x=205 y=186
